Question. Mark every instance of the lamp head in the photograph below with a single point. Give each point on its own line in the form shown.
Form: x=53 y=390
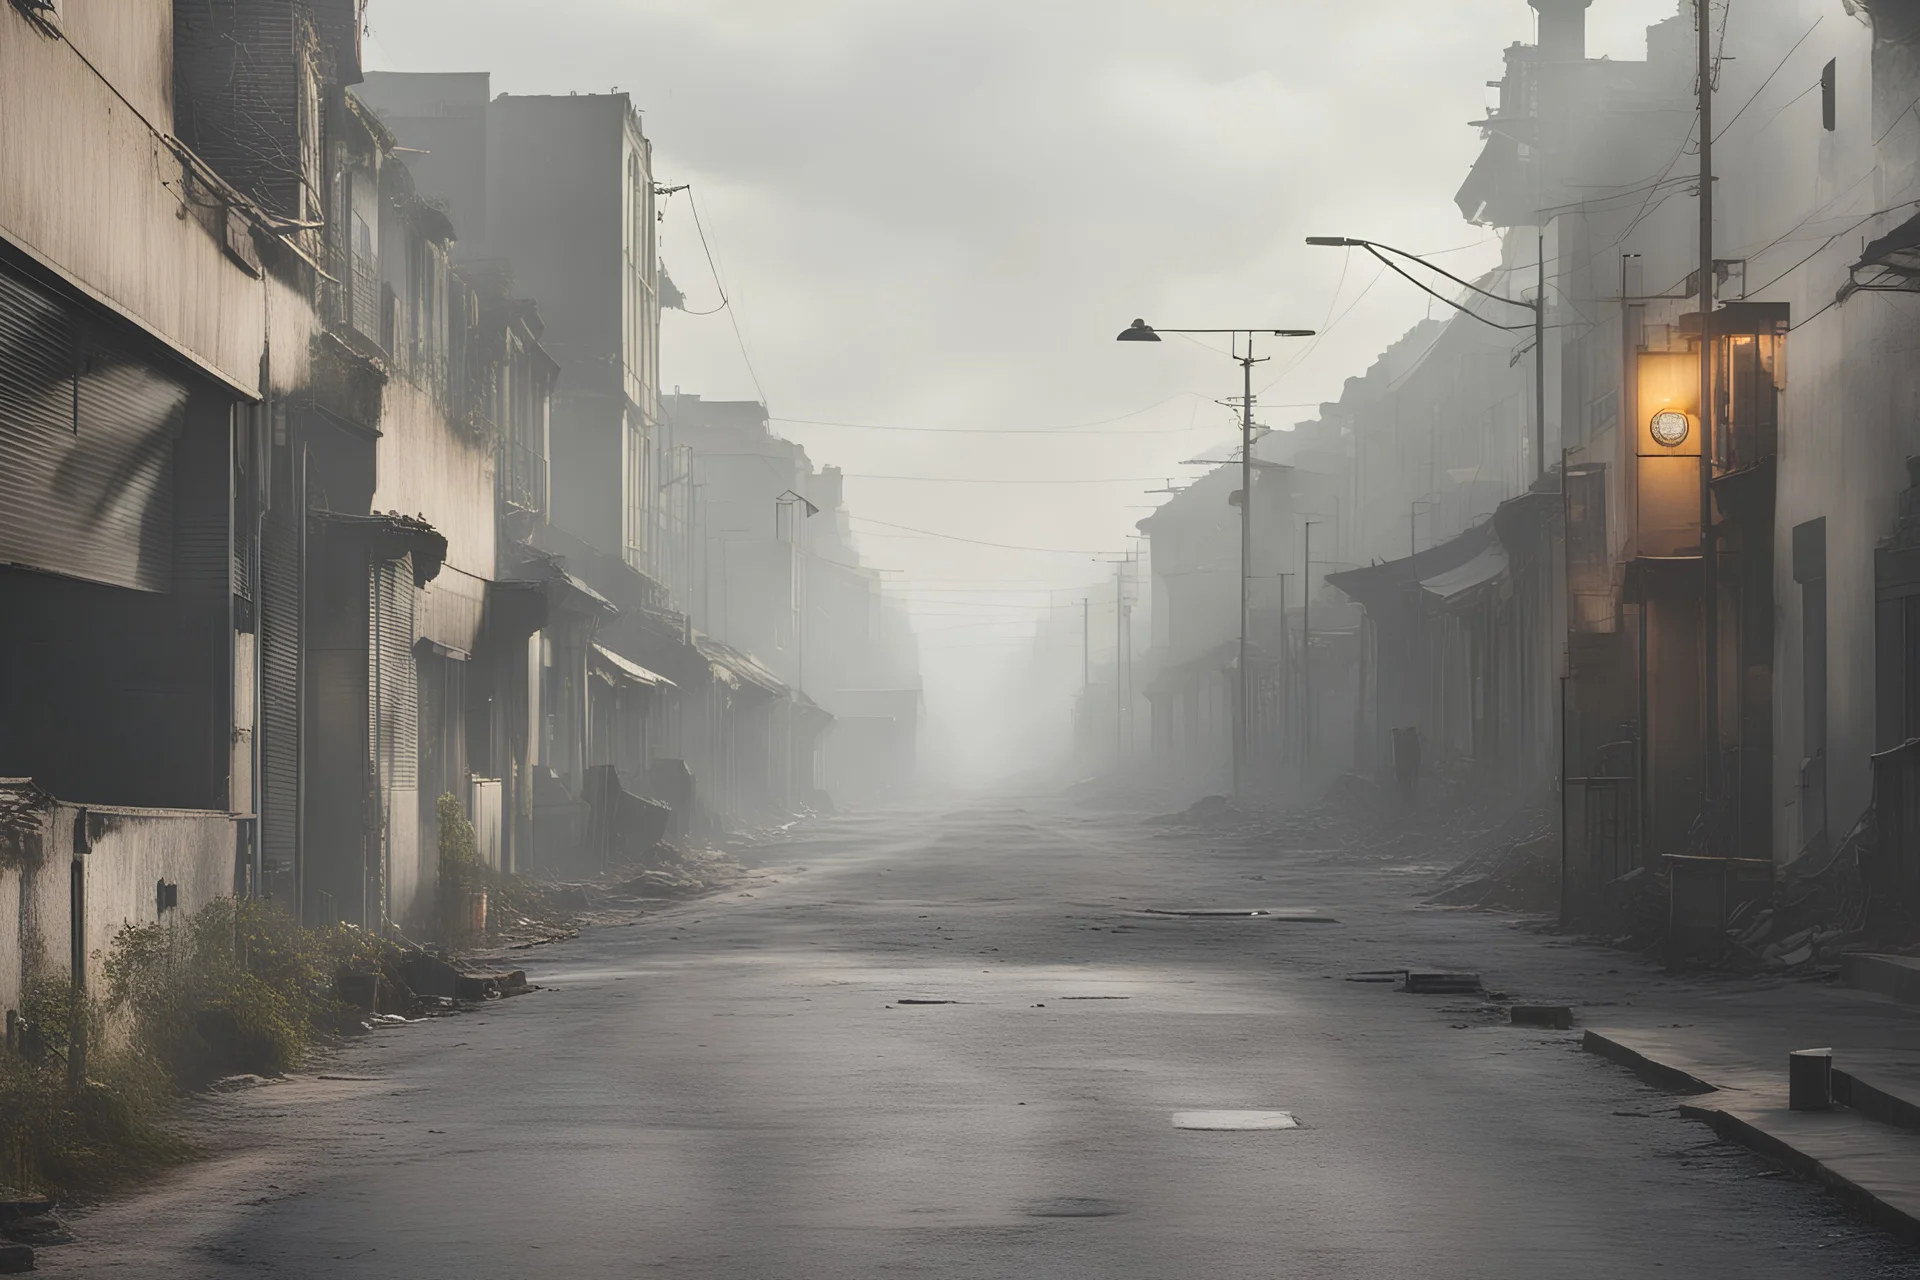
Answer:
x=1138 y=331
x=1334 y=242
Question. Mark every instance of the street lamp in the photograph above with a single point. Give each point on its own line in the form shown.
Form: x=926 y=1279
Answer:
x=1141 y=331
x=1538 y=306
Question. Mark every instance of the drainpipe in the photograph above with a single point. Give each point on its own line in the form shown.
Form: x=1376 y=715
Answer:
x=77 y=955
x=262 y=449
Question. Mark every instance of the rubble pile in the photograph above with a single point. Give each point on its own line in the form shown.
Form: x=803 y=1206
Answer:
x=1521 y=874
x=669 y=873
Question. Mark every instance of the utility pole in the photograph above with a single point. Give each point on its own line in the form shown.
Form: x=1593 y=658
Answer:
x=1243 y=729
x=1287 y=680
x=1141 y=331
x=1709 y=575
x=1306 y=648
x=1540 y=356
x=1119 y=684
x=1083 y=713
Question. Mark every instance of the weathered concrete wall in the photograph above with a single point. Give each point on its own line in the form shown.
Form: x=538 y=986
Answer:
x=88 y=188
x=425 y=468
x=132 y=851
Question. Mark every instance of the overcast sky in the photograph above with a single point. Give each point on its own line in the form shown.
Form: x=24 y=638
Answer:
x=938 y=213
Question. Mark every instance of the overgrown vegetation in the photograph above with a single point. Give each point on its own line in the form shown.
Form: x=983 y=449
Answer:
x=54 y=1139
x=240 y=986
x=463 y=873
x=461 y=870
x=237 y=987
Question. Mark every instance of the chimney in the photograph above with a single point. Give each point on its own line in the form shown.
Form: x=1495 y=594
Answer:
x=1563 y=29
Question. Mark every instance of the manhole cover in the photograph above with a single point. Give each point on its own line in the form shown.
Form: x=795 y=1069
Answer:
x=1073 y=1207
x=1234 y=1121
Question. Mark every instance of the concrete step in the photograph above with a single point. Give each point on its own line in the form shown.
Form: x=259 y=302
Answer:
x=1896 y=977
x=1888 y=1096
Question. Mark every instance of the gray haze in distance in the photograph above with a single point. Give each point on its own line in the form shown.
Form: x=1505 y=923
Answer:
x=938 y=213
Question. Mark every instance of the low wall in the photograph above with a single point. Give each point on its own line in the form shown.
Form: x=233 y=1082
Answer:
x=125 y=856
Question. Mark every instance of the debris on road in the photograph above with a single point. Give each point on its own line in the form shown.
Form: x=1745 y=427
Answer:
x=1557 y=1016
x=1234 y=1121
x=1438 y=982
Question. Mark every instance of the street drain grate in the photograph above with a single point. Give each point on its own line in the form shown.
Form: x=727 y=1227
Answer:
x=922 y=1000
x=1073 y=1207
x=1234 y=1121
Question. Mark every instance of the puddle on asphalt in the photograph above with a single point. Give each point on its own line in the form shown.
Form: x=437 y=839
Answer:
x=1234 y=1121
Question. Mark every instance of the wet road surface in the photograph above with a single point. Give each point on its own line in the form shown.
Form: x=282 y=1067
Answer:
x=952 y=1043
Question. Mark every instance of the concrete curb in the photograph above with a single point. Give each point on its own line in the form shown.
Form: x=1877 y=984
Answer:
x=1874 y=1102
x=1869 y=1137
x=1895 y=977
x=1869 y=1205
x=1652 y=1070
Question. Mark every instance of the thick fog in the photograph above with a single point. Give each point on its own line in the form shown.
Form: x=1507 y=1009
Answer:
x=933 y=218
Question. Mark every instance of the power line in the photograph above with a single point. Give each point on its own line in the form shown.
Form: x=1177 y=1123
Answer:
x=954 y=537
x=856 y=475
x=1770 y=75
x=726 y=303
x=1070 y=428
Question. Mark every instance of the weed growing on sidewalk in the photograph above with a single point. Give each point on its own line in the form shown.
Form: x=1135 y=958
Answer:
x=103 y=1136
x=240 y=986
x=463 y=874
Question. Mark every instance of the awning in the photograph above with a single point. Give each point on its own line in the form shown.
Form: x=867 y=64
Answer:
x=1455 y=583
x=1898 y=250
x=624 y=669
x=390 y=535
x=736 y=669
x=1387 y=585
x=586 y=595
x=450 y=610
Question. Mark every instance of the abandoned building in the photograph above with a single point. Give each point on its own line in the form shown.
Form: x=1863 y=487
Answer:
x=334 y=480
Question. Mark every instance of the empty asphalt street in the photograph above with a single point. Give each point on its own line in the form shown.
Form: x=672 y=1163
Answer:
x=954 y=1042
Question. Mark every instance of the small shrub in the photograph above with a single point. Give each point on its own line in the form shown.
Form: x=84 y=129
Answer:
x=55 y=1140
x=239 y=986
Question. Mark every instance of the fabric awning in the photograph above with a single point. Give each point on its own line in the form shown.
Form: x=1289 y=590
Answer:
x=626 y=669
x=1489 y=564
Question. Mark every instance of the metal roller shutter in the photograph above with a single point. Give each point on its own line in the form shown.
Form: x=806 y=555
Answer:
x=394 y=686
x=87 y=433
x=280 y=607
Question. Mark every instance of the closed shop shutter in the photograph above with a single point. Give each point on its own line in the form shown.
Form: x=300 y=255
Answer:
x=87 y=431
x=280 y=606
x=395 y=683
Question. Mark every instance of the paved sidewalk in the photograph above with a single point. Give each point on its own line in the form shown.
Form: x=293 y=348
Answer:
x=1728 y=1044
